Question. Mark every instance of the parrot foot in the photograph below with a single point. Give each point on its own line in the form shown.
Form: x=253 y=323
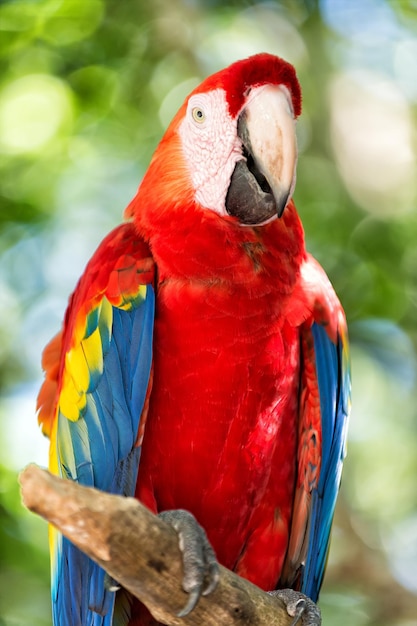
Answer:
x=110 y=583
x=199 y=560
x=304 y=611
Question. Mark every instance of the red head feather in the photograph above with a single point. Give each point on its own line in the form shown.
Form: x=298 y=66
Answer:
x=254 y=71
x=168 y=171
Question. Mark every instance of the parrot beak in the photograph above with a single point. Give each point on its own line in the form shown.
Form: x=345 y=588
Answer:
x=263 y=181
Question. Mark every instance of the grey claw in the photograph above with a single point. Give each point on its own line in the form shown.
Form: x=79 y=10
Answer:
x=110 y=583
x=199 y=560
x=297 y=609
x=213 y=576
x=194 y=597
x=299 y=606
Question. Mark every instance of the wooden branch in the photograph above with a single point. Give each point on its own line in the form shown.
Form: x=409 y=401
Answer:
x=141 y=552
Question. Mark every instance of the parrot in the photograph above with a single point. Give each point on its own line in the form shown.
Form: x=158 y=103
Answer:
x=203 y=362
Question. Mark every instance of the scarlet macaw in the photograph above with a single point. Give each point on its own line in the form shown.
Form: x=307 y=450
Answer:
x=202 y=364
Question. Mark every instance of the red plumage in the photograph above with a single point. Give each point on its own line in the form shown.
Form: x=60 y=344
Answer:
x=225 y=373
x=249 y=73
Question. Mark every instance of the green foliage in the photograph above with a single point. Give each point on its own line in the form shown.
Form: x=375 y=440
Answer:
x=24 y=574
x=86 y=89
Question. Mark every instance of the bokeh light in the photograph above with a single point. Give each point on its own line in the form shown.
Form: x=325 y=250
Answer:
x=373 y=134
x=33 y=110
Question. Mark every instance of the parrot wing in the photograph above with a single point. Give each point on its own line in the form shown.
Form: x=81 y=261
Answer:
x=93 y=404
x=324 y=410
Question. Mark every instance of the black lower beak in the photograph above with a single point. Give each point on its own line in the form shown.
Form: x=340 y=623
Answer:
x=248 y=198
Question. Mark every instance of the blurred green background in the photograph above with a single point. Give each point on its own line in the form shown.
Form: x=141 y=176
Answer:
x=86 y=89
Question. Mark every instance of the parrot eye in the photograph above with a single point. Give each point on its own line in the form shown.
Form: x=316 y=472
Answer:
x=198 y=115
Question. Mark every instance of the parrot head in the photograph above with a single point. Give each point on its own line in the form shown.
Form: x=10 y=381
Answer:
x=231 y=148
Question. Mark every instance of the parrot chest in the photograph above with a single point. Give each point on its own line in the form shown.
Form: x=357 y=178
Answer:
x=220 y=438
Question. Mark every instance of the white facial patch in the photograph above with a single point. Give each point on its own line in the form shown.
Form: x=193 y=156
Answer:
x=211 y=147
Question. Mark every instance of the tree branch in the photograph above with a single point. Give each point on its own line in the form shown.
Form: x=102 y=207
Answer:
x=141 y=552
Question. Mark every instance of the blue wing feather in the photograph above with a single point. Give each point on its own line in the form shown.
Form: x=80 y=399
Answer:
x=333 y=377
x=99 y=450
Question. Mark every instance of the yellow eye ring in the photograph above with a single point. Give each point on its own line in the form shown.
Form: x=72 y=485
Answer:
x=198 y=115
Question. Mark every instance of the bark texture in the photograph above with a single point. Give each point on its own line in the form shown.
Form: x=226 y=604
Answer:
x=141 y=552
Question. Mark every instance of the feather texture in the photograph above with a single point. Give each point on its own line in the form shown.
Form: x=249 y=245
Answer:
x=324 y=411
x=101 y=380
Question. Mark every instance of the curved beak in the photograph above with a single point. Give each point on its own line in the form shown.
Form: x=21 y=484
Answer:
x=270 y=124
x=264 y=180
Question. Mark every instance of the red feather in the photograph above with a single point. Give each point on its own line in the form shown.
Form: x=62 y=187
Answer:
x=257 y=70
x=226 y=372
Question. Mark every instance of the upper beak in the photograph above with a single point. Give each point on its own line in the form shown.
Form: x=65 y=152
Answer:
x=270 y=125
x=263 y=182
